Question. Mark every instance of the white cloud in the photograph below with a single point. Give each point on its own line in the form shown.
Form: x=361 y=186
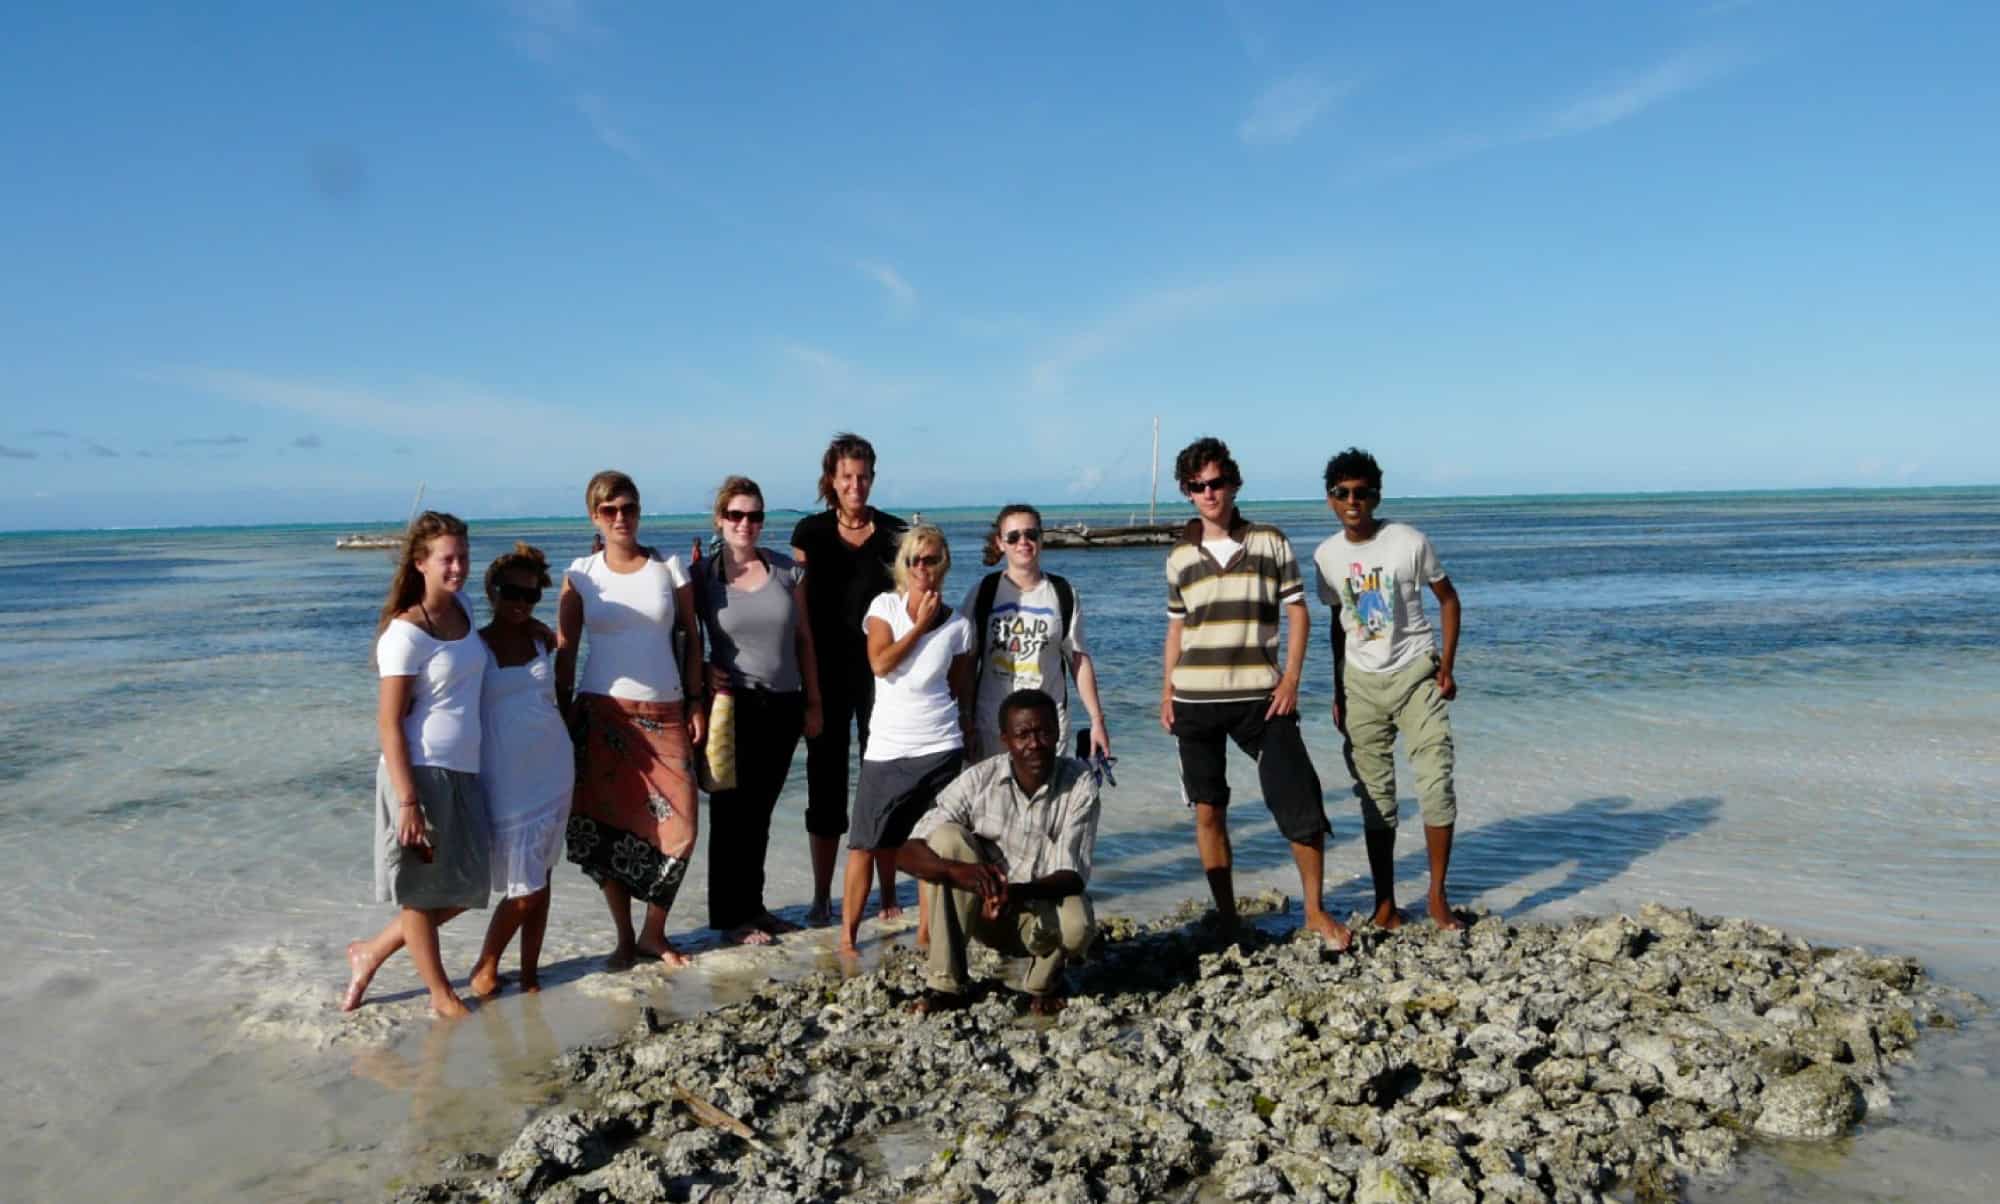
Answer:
x=1286 y=108
x=900 y=291
x=1161 y=308
x=596 y=110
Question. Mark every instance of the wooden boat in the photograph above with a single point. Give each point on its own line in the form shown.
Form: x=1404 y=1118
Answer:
x=356 y=542
x=1150 y=534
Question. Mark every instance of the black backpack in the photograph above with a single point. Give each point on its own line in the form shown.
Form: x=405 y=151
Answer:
x=982 y=613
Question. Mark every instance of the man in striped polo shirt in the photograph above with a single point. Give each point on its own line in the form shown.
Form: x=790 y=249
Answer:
x=1227 y=581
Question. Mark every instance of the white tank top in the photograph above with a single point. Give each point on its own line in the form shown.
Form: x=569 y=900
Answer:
x=628 y=625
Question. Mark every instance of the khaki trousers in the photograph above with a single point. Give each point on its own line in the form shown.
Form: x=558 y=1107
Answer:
x=1049 y=931
x=1378 y=706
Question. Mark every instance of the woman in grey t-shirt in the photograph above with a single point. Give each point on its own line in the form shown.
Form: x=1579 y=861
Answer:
x=752 y=606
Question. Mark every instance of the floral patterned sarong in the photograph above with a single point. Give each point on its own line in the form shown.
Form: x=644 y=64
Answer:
x=633 y=821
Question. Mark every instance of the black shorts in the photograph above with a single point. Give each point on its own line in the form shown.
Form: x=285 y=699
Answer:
x=1284 y=768
x=893 y=795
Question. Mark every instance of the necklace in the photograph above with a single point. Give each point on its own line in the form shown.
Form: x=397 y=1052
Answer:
x=863 y=525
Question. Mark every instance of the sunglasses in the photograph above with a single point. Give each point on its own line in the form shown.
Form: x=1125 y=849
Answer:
x=1206 y=485
x=928 y=560
x=610 y=510
x=509 y=592
x=743 y=516
x=1360 y=493
x=1031 y=534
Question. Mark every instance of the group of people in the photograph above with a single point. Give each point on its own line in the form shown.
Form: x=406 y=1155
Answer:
x=704 y=676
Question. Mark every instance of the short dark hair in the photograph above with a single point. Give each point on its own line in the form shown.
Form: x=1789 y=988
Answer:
x=1353 y=465
x=1021 y=700
x=1201 y=453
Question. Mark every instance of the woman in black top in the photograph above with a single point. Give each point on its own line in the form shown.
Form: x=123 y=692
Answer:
x=847 y=551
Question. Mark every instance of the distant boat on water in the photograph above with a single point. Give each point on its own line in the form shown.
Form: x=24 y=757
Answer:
x=1150 y=534
x=360 y=542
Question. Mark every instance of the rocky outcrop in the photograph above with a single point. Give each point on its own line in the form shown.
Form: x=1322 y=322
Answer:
x=1507 y=1063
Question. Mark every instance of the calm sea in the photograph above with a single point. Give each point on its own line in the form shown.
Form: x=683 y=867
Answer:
x=1774 y=705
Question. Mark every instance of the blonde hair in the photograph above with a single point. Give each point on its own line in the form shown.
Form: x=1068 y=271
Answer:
x=912 y=544
x=731 y=487
x=525 y=557
x=406 y=588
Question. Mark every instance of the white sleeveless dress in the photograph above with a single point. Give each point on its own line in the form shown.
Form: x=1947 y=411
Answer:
x=527 y=770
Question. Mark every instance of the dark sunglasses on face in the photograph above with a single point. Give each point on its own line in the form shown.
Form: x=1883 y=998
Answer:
x=611 y=510
x=1207 y=484
x=1031 y=534
x=1360 y=493
x=743 y=516
x=530 y=594
x=928 y=560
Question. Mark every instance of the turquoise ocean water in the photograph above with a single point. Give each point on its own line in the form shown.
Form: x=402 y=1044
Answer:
x=1779 y=705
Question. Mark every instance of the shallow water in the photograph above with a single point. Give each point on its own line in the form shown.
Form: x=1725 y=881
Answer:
x=1770 y=705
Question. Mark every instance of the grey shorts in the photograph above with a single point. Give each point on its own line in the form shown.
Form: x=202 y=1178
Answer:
x=459 y=873
x=893 y=795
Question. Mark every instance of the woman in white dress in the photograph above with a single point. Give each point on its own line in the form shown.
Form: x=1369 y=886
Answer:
x=525 y=763
x=431 y=849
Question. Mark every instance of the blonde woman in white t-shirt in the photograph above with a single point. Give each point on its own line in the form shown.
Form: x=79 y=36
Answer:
x=635 y=716
x=921 y=653
x=431 y=855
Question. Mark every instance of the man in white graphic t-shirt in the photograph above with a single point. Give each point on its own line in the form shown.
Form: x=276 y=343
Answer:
x=1389 y=674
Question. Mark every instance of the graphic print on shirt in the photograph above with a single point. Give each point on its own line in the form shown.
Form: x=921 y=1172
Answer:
x=1015 y=637
x=1370 y=596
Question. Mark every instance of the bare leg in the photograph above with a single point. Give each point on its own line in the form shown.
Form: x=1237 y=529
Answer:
x=420 y=937
x=1311 y=860
x=854 y=897
x=885 y=868
x=620 y=901
x=1437 y=843
x=653 y=938
x=926 y=899
x=507 y=919
x=366 y=957
x=1382 y=868
x=1211 y=840
x=825 y=850
x=533 y=926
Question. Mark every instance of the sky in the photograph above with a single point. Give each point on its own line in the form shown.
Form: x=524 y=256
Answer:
x=283 y=263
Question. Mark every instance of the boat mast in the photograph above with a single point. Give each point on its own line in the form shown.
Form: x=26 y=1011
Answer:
x=416 y=503
x=1153 y=503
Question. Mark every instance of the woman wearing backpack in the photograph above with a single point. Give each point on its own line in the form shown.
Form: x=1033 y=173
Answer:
x=1026 y=625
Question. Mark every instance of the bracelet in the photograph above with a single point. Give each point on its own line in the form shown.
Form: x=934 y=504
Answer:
x=409 y=804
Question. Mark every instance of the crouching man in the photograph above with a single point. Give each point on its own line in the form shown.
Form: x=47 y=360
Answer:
x=1008 y=846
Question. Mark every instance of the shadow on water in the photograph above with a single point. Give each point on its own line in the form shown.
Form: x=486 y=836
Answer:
x=1595 y=840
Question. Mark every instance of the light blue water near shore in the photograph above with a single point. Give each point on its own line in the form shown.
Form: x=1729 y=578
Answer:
x=1776 y=705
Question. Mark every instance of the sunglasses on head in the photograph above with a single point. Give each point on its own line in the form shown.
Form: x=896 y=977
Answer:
x=1360 y=493
x=1206 y=485
x=929 y=560
x=614 y=509
x=743 y=516
x=510 y=592
x=1031 y=534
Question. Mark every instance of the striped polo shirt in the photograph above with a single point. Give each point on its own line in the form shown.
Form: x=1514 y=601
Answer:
x=1229 y=612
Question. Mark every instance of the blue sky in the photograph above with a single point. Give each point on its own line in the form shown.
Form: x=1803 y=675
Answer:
x=276 y=263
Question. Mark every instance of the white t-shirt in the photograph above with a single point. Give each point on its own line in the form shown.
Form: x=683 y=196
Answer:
x=914 y=714
x=442 y=727
x=1378 y=587
x=1023 y=652
x=628 y=620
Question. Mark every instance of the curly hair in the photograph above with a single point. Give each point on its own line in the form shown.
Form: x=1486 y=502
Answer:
x=1200 y=454
x=991 y=552
x=525 y=557
x=1353 y=465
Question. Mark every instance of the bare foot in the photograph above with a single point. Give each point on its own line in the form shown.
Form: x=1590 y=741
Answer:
x=1441 y=915
x=820 y=914
x=665 y=951
x=624 y=957
x=892 y=911
x=1046 y=1005
x=486 y=981
x=530 y=985
x=1336 y=933
x=746 y=934
x=775 y=926
x=451 y=1007
x=923 y=942
x=1388 y=917
x=363 y=973
x=847 y=947
x=932 y=1002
